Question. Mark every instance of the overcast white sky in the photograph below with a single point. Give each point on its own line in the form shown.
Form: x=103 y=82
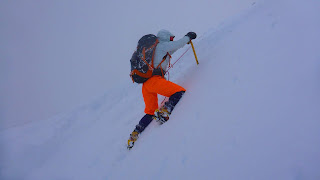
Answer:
x=56 y=55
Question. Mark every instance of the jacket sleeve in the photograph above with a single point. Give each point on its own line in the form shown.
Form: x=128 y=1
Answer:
x=173 y=46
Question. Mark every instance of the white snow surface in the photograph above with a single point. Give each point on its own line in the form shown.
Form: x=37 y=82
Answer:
x=251 y=111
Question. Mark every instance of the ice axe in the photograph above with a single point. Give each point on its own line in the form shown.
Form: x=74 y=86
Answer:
x=194 y=52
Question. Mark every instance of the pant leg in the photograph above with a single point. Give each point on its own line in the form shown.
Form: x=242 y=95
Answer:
x=173 y=100
x=150 y=89
x=150 y=100
x=143 y=123
x=159 y=85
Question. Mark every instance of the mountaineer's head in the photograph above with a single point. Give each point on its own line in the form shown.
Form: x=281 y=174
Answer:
x=165 y=35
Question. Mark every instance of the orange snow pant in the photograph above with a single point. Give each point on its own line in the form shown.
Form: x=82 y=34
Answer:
x=154 y=86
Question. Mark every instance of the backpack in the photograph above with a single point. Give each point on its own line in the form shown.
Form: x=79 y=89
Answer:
x=142 y=59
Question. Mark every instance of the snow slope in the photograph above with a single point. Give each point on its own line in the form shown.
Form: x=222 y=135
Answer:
x=251 y=111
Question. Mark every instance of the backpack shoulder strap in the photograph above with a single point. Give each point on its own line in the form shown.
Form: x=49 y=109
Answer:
x=164 y=58
x=154 y=46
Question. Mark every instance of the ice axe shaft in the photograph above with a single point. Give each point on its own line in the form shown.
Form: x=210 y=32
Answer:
x=194 y=52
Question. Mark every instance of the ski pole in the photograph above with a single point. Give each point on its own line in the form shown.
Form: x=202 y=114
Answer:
x=194 y=52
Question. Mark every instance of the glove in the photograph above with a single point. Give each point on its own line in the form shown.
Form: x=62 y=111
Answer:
x=191 y=35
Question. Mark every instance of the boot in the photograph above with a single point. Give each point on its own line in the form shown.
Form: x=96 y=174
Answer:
x=133 y=138
x=162 y=115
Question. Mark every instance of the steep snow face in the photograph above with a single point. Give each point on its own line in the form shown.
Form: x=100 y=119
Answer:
x=251 y=111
